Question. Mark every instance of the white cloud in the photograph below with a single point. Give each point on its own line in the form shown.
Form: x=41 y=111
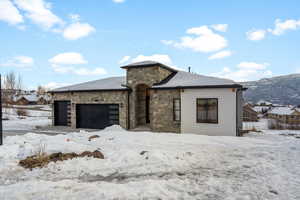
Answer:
x=200 y=39
x=9 y=13
x=161 y=58
x=69 y=58
x=53 y=85
x=124 y=59
x=165 y=59
x=85 y=71
x=118 y=1
x=67 y=63
x=220 y=27
x=74 y=17
x=282 y=26
x=256 y=35
x=39 y=12
x=18 y=61
x=167 y=42
x=220 y=55
x=77 y=30
x=253 y=65
x=244 y=72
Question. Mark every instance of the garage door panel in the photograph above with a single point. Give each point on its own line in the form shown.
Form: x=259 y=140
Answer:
x=97 y=116
x=61 y=109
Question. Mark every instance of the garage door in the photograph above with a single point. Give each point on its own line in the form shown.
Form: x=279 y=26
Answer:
x=61 y=113
x=96 y=116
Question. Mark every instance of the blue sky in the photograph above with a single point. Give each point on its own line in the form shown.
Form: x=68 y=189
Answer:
x=55 y=42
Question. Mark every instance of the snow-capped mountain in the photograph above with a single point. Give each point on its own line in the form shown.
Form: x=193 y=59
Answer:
x=278 y=90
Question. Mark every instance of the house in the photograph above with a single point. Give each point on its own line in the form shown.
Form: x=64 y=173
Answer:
x=285 y=115
x=155 y=97
x=261 y=110
x=43 y=99
x=30 y=99
x=249 y=114
x=264 y=103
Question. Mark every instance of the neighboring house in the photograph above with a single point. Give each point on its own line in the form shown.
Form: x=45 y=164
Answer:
x=154 y=97
x=249 y=115
x=285 y=115
x=261 y=110
x=44 y=99
x=264 y=103
x=26 y=99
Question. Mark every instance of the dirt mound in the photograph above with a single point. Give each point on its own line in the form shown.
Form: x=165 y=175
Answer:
x=93 y=137
x=44 y=159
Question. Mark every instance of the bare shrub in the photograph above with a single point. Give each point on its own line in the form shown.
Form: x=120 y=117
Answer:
x=43 y=159
x=22 y=112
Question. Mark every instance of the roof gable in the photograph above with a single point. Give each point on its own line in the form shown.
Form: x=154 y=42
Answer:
x=186 y=79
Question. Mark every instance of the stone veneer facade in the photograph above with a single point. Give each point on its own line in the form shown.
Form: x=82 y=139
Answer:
x=101 y=97
x=161 y=101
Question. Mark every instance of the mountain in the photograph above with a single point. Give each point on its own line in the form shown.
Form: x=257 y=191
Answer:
x=278 y=90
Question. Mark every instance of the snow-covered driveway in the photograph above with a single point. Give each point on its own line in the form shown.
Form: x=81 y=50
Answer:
x=141 y=165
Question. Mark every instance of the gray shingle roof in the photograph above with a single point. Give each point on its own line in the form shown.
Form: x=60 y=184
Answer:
x=186 y=79
x=179 y=79
x=112 y=83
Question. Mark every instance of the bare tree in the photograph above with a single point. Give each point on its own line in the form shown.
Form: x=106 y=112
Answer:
x=12 y=84
x=41 y=90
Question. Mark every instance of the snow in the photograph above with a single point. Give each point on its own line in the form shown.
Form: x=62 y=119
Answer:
x=34 y=118
x=262 y=124
x=260 y=109
x=282 y=111
x=172 y=166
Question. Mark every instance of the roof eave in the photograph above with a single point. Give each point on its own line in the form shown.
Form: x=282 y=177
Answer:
x=93 y=90
x=200 y=87
x=150 y=65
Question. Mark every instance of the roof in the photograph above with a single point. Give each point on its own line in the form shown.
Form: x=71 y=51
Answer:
x=177 y=79
x=148 y=63
x=264 y=102
x=112 y=83
x=189 y=80
x=282 y=111
x=30 y=97
x=261 y=108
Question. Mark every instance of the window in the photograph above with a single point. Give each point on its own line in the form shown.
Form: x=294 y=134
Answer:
x=176 y=109
x=207 y=110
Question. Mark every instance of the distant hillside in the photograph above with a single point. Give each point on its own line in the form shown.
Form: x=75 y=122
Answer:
x=279 y=90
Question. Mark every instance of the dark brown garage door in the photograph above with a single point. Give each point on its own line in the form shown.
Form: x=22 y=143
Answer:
x=61 y=113
x=96 y=116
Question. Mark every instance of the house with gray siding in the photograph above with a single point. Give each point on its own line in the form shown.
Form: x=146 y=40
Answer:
x=154 y=97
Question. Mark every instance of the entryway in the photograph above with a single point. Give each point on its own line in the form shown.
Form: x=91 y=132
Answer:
x=142 y=105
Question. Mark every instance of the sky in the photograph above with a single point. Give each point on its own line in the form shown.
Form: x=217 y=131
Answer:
x=56 y=43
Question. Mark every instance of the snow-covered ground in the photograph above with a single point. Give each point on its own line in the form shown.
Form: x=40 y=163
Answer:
x=33 y=119
x=144 y=165
x=262 y=124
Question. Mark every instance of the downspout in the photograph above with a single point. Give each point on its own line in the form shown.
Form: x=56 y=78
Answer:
x=236 y=112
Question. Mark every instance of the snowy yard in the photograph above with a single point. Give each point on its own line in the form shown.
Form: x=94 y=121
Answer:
x=34 y=118
x=143 y=165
